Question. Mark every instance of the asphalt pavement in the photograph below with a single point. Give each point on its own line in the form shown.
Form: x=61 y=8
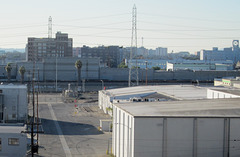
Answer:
x=71 y=129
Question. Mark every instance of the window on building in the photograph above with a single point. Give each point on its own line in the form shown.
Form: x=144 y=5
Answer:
x=14 y=116
x=13 y=141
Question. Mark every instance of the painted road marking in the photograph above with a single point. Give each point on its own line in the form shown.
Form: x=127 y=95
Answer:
x=60 y=134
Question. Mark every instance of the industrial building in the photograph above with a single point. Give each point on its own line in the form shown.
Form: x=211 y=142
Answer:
x=13 y=103
x=39 y=48
x=13 y=116
x=219 y=93
x=232 y=53
x=173 y=120
x=109 y=55
x=198 y=66
x=13 y=142
x=64 y=69
x=193 y=128
x=147 y=63
x=172 y=65
x=228 y=82
x=106 y=98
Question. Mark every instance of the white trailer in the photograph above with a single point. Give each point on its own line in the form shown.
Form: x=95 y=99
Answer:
x=13 y=142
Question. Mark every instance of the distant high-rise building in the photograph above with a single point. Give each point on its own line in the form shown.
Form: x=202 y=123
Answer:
x=151 y=52
x=77 y=52
x=39 y=48
x=232 y=53
x=142 y=51
x=109 y=55
x=161 y=51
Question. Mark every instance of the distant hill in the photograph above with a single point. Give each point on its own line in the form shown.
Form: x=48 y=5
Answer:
x=3 y=50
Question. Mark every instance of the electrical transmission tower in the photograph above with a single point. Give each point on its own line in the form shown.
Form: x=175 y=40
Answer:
x=133 y=68
x=50 y=27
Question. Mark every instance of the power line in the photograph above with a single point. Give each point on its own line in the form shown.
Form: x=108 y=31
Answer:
x=187 y=18
x=90 y=27
x=173 y=25
x=152 y=38
x=23 y=35
x=96 y=17
x=18 y=27
x=153 y=30
x=95 y=26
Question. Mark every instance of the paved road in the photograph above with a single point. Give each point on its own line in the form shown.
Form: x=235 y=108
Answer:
x=69 y=131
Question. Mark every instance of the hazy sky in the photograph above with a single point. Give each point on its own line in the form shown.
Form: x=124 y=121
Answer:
x=179 y=25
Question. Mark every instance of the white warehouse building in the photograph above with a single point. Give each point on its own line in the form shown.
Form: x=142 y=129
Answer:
x=13 y=103
x=183 y=120
x=106 y=98
x=188 y=128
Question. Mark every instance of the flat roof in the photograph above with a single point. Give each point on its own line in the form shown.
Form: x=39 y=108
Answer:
x=12 y=86
x=128 y=91
x=158 y=96
x=8 y=128
x=179 y=92
x=187 y=108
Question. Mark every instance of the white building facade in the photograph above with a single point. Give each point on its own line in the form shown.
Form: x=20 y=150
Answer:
x=13 y=143
x=198 y=66
x=13 y=103
x=204 y=128
x=147 y=63
x=221 y=94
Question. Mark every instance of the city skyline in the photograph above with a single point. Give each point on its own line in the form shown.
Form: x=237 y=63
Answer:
x=186 y=26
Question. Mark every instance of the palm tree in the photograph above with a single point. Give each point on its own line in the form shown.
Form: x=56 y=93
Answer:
x=22 y=71
x=78 y=65
x=8 y=69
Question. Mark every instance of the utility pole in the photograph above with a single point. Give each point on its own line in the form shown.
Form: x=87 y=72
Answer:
x=133 y=70
x=33 y=114
x=56 y=73
x=34 y=147
x=146 y=71
x=102 y=84
x=37 y=111
x=83 y=85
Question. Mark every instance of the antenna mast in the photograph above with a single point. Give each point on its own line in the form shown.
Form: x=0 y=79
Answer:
x=133 y=70
x=50 y=27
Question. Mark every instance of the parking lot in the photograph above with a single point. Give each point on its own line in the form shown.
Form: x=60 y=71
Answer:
x=71 y=129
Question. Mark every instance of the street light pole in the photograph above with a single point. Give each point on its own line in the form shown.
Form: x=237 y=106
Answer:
x=33 y=115
x=146 y=71
x=102 y=84
x=56 y=72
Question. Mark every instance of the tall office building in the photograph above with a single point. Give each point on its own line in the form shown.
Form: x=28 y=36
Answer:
x=161 y=52
x=39 y=48
x=109 y=55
